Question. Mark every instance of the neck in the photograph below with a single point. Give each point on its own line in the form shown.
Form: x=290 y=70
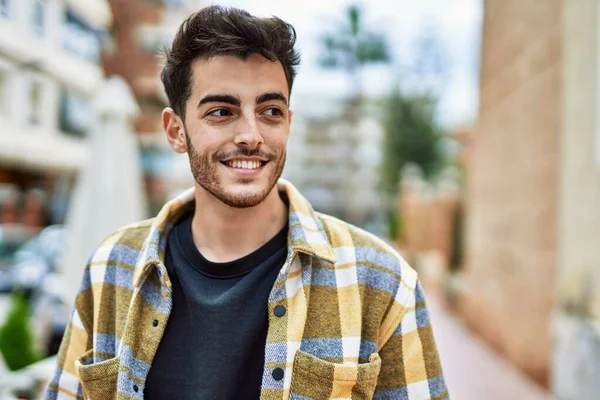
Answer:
x=223 y=233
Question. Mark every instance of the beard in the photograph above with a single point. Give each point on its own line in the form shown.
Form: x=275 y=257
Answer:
x=205 y=173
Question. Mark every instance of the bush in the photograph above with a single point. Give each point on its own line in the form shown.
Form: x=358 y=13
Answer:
x=16 y=338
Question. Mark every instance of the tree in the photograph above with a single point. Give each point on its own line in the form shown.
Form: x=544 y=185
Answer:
x=351 y=46
x=412 y=133
x=16 y=338
x=411 y=136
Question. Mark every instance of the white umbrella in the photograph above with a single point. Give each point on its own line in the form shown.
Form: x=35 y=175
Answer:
x=109 y=193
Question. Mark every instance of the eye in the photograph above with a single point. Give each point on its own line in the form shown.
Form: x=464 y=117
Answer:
x=221 y=112
x=273 y=112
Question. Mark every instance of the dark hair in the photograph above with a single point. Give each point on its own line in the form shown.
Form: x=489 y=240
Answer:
x=220 y=31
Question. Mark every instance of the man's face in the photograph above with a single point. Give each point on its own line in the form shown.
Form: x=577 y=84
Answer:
x=237 y=125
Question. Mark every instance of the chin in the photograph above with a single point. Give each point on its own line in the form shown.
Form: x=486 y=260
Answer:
x=242 y=195
x=242 y=201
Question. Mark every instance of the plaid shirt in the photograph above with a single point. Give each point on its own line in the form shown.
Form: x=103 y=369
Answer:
x=355 y=327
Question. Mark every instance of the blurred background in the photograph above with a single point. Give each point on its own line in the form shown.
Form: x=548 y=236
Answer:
x=464 y=132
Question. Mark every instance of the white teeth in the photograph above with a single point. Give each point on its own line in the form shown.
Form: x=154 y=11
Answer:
x=244 y=164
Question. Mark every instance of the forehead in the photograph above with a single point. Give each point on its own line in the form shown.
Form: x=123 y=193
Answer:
x=232 y=75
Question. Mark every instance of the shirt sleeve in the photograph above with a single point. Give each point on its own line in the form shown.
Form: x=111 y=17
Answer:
x=76 y=341
x=410 y=368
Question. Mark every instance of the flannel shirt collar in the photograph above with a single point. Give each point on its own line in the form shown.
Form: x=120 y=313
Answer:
x=306 y=233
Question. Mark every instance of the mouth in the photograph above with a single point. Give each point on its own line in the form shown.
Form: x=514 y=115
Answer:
x=245 y=165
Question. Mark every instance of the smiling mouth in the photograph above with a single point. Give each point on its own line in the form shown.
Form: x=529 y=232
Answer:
x=245 y=164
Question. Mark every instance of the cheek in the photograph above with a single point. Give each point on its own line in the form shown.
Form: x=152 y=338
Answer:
x=277 y=141
x=206 y=142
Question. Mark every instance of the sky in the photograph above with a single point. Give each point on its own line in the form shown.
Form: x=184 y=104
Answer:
x=458 y=27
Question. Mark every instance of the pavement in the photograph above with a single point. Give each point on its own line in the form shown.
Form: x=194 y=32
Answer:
x=474 y=371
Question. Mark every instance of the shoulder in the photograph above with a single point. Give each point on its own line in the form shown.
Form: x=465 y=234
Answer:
x=367 y=248
x=378 y=264
x=386 y=282
x=124 y=244
x=109 y=270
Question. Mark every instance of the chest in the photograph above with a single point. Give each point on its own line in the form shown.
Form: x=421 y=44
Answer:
x=321 y=337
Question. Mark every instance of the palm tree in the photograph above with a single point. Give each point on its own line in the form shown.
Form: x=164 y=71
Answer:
x=351 y=46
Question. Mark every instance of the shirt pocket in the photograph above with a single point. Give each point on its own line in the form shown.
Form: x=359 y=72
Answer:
x=98 y=380
x=313 y=378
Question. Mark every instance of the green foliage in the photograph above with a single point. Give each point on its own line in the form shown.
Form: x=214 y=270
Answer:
x=411 y=136
x=351 y=45
x=16 y=338
x=395 y=225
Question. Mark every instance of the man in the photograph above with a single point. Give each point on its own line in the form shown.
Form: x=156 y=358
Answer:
x=238 y=289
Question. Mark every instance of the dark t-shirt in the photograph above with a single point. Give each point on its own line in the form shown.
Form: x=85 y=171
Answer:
x=214 y=342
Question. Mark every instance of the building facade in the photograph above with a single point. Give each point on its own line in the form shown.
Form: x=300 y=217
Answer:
x=576 y=320
x=49 y=70
x=533 y=204
x=512 y=205
x=333 y=162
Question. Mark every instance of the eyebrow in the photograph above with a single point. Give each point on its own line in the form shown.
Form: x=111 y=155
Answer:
x=269 y=96
x=221 y=98
x=235 y=101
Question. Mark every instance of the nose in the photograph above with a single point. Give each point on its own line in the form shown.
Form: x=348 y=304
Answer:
x=249 y=134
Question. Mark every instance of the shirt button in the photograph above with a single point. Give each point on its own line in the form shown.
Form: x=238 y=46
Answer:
x=136 y=388
x=155 y=322
x=278 y=374
x=280 y=311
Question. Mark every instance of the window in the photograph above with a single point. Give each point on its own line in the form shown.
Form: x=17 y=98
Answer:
x=75 y=113
x=79 y=39
x=151 y=38
x=157 y=163
x=35 y=102
x=4 y=92
x=175 y=3
x=4 y=8
x=39 y=17
x=168 y=3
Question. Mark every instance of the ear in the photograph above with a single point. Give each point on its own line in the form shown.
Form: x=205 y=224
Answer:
x=175 y=130
x=290 y=115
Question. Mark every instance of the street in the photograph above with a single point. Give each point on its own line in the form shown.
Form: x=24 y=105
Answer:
x=472 y=370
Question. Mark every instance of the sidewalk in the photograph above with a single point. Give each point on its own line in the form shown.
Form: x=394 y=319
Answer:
x=472 y=370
